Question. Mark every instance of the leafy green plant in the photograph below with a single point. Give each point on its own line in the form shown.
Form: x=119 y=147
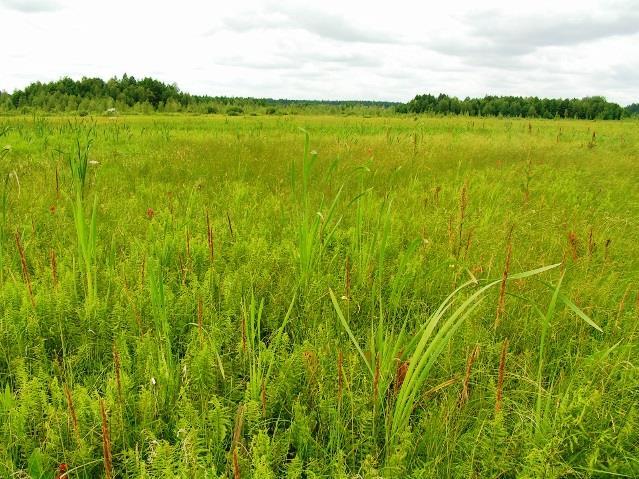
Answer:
x=261 y=357
x=316 y=228
x=422 y=350
x=4 y=206
x=376 y=381
x=85 y=225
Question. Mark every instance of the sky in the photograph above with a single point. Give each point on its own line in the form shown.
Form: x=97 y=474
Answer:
x=333 y=49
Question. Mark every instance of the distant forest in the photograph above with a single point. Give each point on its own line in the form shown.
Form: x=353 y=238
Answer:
x=129 y=95
x=589 y=108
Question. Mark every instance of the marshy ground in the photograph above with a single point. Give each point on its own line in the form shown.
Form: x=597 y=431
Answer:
x=235 y=297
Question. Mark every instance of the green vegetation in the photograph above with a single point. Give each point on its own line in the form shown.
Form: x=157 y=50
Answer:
x=633 y=110
x=591 y=108
x=318 y=296
x=128 y=95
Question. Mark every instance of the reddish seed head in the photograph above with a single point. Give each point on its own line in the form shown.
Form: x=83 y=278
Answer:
x=62 y=470
x=150 y=213
x=400 y=375
x=52 y=209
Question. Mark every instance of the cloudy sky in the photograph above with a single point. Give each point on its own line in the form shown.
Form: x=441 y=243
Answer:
x=333 y=49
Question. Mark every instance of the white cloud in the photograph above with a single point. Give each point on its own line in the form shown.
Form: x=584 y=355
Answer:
x=331 y=49
x=31 y=6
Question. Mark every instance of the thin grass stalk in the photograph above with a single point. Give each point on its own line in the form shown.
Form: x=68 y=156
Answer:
x=228 y=220
x=4 y=204
x=347 y=279
x=106 y=443
x=572 y=242
x=57 y=183
x=200 y=318
x=463 y=204
x=54 y=267
x=340 y=377
x=501 y=304
x=376 y=381
x=236 y=438
x=622 y=306
x=550 y=312
x=236 y=465
x=72 y=413
x=209 y=237
x=188 y=243
x=465 y=393
x=500 y=377
x=117 y=365
x=25 y=269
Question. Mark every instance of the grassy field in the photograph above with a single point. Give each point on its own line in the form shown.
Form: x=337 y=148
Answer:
x=366 y=297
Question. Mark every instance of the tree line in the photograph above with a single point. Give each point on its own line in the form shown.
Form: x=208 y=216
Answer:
x=589 y=108
x=147 y=95
x=128 y=94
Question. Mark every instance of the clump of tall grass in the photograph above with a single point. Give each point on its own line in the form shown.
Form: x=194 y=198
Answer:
x=4 y=208
x=423 y=348
x=165 y=355
x=315 y=228
x=85 y=225
x=261 y=357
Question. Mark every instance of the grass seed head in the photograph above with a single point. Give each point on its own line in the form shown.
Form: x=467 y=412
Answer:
x=500 y=378
x=106 y=443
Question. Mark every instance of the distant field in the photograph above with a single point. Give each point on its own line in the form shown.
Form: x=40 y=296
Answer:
x=189 y=296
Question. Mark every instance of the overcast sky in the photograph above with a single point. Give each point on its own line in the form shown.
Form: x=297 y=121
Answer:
x=331 y=49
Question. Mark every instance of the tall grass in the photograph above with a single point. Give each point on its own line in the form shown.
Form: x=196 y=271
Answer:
x=197 y=314
x=85 y=225
x=316 y=227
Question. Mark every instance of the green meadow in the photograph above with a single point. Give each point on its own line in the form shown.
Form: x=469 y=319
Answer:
x=318 y=296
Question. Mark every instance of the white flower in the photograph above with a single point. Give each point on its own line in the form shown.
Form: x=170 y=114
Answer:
x=153 y=381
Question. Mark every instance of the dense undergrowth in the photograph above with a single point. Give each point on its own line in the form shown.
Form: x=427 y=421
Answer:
x=215 y=297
